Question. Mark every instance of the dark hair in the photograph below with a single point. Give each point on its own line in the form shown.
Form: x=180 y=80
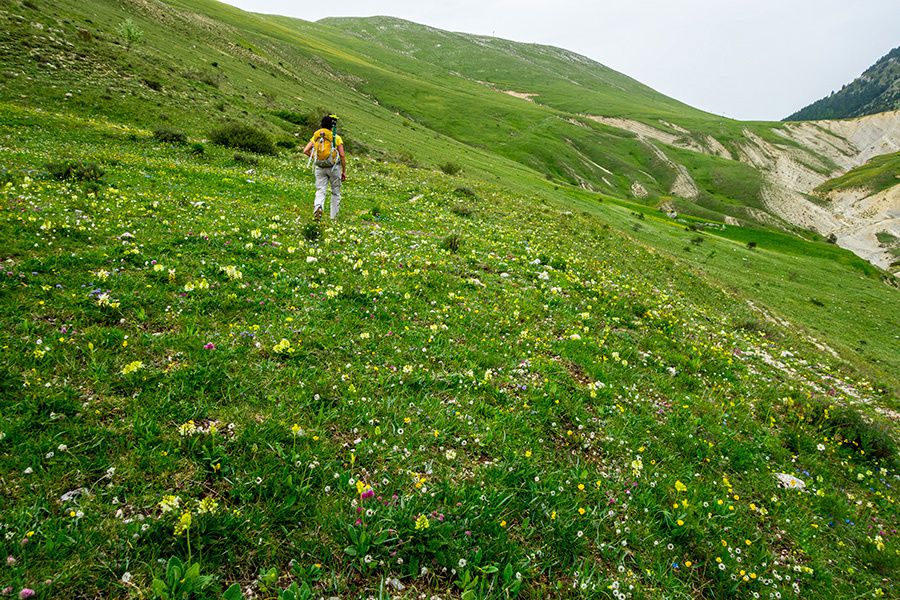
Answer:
x=328 y=122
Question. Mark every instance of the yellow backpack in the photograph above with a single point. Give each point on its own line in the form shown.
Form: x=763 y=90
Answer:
x=325 y=152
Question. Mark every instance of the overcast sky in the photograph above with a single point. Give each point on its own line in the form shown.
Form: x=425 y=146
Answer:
x=747 y=59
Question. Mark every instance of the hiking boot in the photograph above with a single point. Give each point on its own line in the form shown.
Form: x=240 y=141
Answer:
x=317 y=215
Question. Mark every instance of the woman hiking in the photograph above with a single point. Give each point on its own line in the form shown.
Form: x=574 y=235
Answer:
x=326 y=149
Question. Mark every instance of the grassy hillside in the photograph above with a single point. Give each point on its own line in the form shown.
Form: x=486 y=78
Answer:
x=880 y=173
x=876 y=90
x=481 y=385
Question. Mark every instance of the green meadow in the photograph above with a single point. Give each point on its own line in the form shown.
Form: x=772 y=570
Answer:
x=483 y=380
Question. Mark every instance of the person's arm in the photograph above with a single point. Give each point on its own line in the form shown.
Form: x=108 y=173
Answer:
x=308 y=150
x=343 y=162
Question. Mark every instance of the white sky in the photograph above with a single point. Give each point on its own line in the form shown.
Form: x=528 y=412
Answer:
x=746 y=59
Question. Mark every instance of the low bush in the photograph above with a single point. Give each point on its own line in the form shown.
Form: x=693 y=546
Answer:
x=465 y=192
x=75 y=170
x=451 y=243
x=450 y=168
x=245 y=159
x=197 y=149
x=243 y=137
x=312 y=232
x=462 y=210
x=169 y=135
x=847 y=423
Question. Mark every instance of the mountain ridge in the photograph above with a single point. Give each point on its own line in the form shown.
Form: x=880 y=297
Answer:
x=876 y=90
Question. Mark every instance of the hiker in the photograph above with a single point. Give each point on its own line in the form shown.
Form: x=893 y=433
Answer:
x=326 y=150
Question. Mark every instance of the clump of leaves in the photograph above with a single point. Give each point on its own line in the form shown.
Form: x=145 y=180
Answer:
x=75 y=170
x=245 y=159
x=169 y=135
x=197 y=149
x=462 y=210
x=450 y=168
x=451 y=243
x=751 y=245
x=312 y=232
x=465 y=192
x=130 y=33
x=243 y=137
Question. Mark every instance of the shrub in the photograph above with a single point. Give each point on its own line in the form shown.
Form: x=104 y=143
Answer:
x=405 y=158
x=153 y=84
x=751 y=245
x=451 y=243
x=462 y=210
x=245 y=159
x=309 y=120
x=243 y=137
x=5 y=177
x=76 y=170
x=450 y=168
x=697 y=240
x=169 y=135
x=312 y=232
x=465 y=192
x=129 y=32
x=847 y=422
x=197 y=149
x=210 y=79
x=286 y=143
x=831 y=239
x=817 y=302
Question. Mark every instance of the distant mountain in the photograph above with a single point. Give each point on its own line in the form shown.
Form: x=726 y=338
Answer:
x=877 y=90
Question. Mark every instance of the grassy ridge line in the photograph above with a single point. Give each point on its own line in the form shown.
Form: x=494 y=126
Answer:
x=465 y=383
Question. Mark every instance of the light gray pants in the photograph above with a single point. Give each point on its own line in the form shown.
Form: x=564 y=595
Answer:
x=324 y=177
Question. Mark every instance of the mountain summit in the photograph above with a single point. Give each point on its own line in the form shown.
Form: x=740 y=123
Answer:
x=877 y=90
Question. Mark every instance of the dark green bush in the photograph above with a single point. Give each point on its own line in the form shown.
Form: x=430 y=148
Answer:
x=312 y=232
x=243 y=137
x=169 y=135
x=462 y=210
x=153 y=84
x=466 y=192
x=450 y=168
x=205 y=77
x=286 y=143
x=874 y=438
x=76 y=170
x=451 y=243
x=309 y=120
x=245 y=159
x=197 y=149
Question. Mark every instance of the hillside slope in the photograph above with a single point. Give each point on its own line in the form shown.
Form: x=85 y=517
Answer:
x=486 y=384
x=876 y=90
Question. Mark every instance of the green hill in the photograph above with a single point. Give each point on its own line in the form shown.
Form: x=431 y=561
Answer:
x=496 y=375
x=876 y=90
